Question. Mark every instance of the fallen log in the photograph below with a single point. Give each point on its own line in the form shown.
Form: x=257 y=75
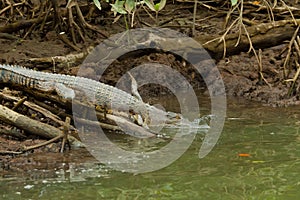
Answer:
x=32 y=126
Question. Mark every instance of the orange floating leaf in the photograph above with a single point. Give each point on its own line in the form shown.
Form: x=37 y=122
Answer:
x=244 y=155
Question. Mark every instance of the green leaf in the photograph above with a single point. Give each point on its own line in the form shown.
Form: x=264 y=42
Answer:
x=97 y=4
x=150 y=4
x=129 y=5
x=156 y=7
x=233 y=2
x=162 y=4
x=118 y=7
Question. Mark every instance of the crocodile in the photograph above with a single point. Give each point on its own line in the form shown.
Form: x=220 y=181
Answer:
x=66 y=85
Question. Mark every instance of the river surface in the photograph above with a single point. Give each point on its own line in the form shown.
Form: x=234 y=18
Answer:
x=257 y=157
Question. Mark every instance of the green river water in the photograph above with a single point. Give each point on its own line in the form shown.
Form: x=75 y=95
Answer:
x=271 y=170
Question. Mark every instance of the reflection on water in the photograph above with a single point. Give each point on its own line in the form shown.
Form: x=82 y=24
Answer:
x=257 y=157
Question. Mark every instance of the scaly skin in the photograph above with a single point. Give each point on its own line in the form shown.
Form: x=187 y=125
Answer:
x=65 y=85
x=97 y=92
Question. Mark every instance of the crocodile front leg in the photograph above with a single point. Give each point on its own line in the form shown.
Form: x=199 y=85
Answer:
x=142 y=118
x=62 y=90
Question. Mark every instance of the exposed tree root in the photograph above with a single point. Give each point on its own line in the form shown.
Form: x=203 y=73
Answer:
x=262 y=36
x=67 y=59
x=19 y=25
x=67 y=19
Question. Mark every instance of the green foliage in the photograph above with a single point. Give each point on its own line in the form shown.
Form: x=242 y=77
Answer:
x=118 y=7
x=233 y=2
x=155 y=7
x=124 y=7
x=129 y=6
x=97 y=4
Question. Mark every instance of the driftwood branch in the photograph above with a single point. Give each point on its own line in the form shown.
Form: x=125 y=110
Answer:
x=33 y=106
x=11 y=132
x=32 y=126
x=126 y=125
x=119 y=118
x=64 y=136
